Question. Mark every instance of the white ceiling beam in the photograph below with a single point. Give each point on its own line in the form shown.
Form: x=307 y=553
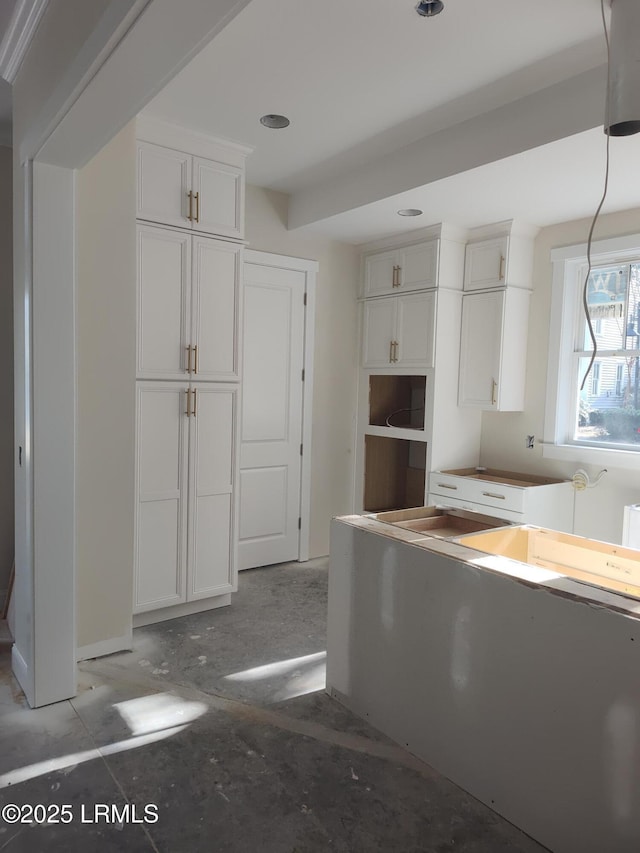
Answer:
x=559 y=111
x=168 y=35
x=15 y=43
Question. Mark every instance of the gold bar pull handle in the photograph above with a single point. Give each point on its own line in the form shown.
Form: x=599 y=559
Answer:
x=190 y=214
x=495 y=495
x=188 y=349
x=398 y=271
x=193 y=411
x=195 y=359
x=494 y=388
x=197 y=198
x=390 y=351
x=188 y=411
x=395 y=351
x=501 y=270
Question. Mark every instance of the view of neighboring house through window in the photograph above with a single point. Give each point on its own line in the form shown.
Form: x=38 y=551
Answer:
x=608 y=407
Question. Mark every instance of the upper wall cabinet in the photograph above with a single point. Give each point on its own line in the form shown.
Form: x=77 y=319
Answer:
x=175 y=188
x=501 y=258
x=401 y=270
x=399 y=333
x=485 y=264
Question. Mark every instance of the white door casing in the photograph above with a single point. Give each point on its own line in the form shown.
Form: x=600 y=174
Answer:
x=274 y=484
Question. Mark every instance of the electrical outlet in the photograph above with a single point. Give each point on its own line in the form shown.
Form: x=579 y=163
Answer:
x=529 y=442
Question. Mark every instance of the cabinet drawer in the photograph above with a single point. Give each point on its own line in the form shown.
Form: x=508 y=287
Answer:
x=495 y=495
x=504 y=514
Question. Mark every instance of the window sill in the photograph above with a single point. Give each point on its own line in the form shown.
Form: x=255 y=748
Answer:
x=605 y=457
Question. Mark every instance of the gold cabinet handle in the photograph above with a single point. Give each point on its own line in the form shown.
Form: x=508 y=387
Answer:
x=390 y=351
x=188 y=349
x=398 y=271
x=447 y=486
x=188 y=411
x=190 y=215
x=395 y=351
x=195 y=359
x=501 y=270
x=197 y=198
x=494 y=495
x=193 y=411
x=494 y=386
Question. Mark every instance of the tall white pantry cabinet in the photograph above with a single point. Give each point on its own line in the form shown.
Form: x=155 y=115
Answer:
x=190 y=227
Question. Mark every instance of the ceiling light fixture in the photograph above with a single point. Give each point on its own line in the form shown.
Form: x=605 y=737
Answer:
x=409 y=211
x=275 y=121
x=429 y=8
x=623 y=112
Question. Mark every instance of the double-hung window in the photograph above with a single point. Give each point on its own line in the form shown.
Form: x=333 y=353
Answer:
x=595 y=417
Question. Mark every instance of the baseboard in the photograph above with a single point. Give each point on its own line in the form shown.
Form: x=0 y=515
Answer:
x=150 y=617
x=105 y=647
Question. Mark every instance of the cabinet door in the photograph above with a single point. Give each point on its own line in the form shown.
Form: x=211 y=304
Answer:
x=216 y=309
x=378 y=333
x=219 y=192
x=212 y=447
x=161 y=492
x=486 y=264
x=380 y=273
x=164 y=303
x=418 y=267
x=164 y=179
x=415 y=330
x=480 y=349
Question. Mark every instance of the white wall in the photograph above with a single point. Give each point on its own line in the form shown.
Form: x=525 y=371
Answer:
x=336 y=353
x=6 y=368
x=106 y=335
x=599 y=510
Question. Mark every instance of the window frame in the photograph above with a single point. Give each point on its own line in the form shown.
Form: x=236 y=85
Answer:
x=568 y=264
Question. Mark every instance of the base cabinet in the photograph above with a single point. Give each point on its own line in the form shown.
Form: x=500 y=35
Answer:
x=185 y=485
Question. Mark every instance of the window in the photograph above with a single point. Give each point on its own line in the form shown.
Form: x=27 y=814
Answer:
x=599 y=417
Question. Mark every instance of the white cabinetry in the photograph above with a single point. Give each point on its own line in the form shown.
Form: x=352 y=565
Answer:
x=188 y=304
x=485 y=264
x=408 y=414
x=185 y=478
x=197 y=193
x=188 y=371
x=401 y=270
x=399 y=331
x=493 y=349
x=521 y=498
x=495 y=318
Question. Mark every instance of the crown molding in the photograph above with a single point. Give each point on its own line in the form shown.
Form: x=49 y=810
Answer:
x=24 y=21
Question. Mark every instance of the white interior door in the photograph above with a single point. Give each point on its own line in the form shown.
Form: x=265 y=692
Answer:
x=271 y=434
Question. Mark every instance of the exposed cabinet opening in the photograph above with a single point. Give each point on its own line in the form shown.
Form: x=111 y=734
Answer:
x=397 y=401
x=395 y=471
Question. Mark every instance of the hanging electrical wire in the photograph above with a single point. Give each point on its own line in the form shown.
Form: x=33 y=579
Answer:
x=599 y=208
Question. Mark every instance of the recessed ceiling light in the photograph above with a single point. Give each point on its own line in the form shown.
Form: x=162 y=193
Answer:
x=410 y=211
x=275 y=121
x=429 y=8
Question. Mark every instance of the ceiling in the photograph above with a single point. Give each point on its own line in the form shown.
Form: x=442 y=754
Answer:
x=7 y=8
x=366 y=80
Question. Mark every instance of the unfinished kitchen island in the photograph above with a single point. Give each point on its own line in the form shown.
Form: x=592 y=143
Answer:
x=518 y=682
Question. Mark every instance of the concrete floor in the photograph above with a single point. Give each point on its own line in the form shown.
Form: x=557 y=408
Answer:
x=219 y=720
